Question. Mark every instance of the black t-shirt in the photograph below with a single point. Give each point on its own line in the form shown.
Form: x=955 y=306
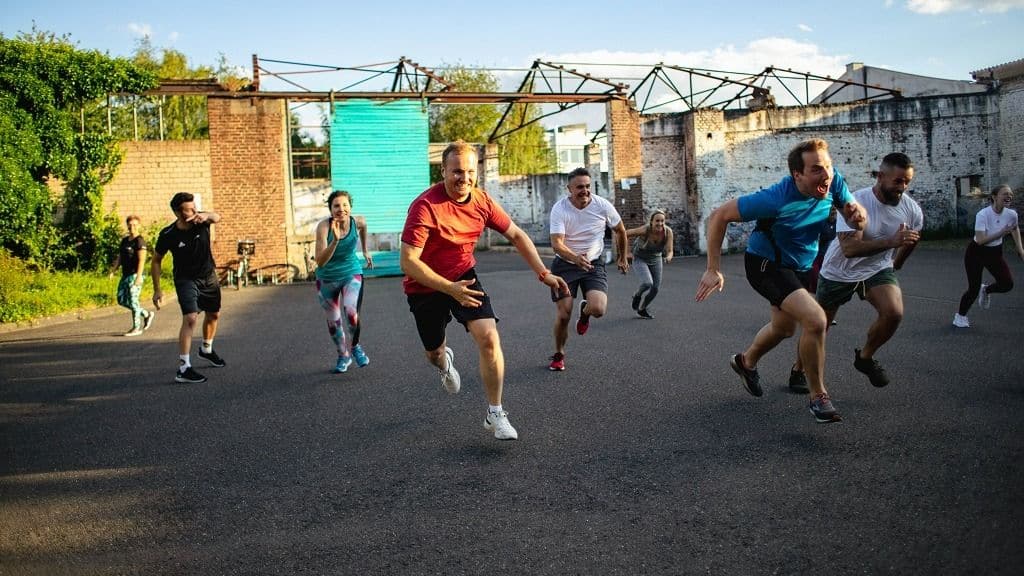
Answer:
x=128 y=254
x=191 y=249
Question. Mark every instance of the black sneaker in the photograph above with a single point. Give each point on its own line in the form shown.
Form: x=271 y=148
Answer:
x=643 y=313
x=870 y=366
x=189 y=376
x=212 y=357
x=798 y=382
x=636 y=302
x=751 y=379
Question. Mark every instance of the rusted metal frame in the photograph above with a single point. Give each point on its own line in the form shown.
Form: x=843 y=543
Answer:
x=584 y=75
x=771 y=71
x=894 y=92
x=354 y=84
x=527 y=81
x=722 y=82
x=296 y=84
x=396 y=82
x=494 y=138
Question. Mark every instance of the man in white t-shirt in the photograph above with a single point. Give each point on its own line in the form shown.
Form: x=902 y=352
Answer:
x=578 y=222
x=864 y=262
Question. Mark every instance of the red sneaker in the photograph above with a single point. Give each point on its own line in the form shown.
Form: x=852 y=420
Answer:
x=581 y=325
x=557 y=362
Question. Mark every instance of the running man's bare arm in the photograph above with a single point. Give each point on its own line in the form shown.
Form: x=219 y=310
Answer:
x=621 y=247
x=411 y=262
x=528 y=251
x=718 y=221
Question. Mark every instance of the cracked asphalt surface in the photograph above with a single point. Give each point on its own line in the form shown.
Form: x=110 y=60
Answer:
x=645 y=456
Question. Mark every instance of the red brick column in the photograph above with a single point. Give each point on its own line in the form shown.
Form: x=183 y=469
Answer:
x=625 y=166
x=248 y=170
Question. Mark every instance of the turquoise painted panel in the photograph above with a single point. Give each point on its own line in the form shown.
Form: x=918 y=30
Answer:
x=379 y=154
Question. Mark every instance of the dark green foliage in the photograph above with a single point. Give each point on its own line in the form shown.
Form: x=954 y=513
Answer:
x=45 y=83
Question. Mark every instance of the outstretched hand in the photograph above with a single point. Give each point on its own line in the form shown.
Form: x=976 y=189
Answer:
x=710 y=281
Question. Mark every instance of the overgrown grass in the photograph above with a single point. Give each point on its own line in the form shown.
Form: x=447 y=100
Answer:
x=27 y=294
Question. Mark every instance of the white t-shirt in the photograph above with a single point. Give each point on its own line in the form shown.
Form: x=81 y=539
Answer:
x=988 y=222
x=584 y=229
x=883 y=221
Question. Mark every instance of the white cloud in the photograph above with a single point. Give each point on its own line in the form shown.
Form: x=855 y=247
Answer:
x=805 y=28
x=942 y=6
x=140 y=29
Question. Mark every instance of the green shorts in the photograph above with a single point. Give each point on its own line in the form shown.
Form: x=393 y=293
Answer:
x=832 y=294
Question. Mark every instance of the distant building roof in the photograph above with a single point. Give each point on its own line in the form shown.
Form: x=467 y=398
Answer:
x=1012 y=69
x=877 y=82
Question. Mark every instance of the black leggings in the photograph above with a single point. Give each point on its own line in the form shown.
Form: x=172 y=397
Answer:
x=989 y=258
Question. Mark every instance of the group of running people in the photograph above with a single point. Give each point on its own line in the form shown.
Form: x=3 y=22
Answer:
x=876 y=228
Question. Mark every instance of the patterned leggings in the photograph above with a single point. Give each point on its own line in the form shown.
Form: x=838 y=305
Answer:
x=334 y=296
x=649 y=274
x=128 y=296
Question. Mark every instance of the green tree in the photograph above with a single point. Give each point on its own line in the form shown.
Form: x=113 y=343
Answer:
x=524 y=151
x=45 y=81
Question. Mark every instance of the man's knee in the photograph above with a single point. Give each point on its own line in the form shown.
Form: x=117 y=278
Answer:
x=190 y=319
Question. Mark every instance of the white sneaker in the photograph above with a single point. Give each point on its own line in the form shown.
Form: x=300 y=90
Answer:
x=984 y=298
x=961 y=321
x=450 y=379
x=498 y=421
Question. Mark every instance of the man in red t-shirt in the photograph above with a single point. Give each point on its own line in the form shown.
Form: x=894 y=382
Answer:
x=441 y=230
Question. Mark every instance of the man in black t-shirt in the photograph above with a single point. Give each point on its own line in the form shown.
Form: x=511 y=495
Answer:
x=195 y=280
x=131 y=258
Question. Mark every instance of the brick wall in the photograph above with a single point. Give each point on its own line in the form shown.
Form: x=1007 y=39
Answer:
x=152 y=171
x=729 y=154
x=528 y=200
x=1011 y=135
x=624 y=161
x=664 y=166
x=248 y=153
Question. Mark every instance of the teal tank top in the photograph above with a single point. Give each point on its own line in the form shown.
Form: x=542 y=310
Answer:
x=344 y=263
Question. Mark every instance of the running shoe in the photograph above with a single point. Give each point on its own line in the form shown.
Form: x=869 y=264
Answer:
x=798 y=382
x=189 y=376
x=581 y=326
x=148 y=321
x=557 y=362
x=134 y=332
x=498 y=422
x=214 y=360
x=643 y=313
x=872 y=368
x=342 y=365
x=636 y=302
x=751 y=379
x=984 y=298
x=361 y=358
x=450 y=379
x=823 y=410
x=961 y=321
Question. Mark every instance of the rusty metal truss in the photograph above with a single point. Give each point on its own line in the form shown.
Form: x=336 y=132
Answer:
x=553 y=83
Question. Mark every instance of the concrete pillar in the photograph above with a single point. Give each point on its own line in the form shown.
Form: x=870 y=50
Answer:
x=625 y=166
x=592 y=160
x=248 y=172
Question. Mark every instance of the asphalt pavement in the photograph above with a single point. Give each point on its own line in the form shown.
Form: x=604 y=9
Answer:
x=646 y=456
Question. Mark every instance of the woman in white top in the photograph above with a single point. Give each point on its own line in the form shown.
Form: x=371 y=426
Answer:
x=986 y=251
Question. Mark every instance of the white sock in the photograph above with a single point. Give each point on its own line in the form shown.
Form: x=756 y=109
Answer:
x=185 y=362
x=494 y=409
x=207 y=346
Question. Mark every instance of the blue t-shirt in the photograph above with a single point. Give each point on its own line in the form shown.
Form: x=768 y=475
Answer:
x=797 y=220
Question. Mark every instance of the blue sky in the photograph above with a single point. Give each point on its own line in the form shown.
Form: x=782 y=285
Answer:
x=942 y=38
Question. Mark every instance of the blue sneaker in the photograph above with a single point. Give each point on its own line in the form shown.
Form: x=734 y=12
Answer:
x=361 y=358
x=823 y=410
x=343 y=363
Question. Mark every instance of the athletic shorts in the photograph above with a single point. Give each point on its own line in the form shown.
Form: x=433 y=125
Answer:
x=772 y=282
x=579 y=279
x=434 y=310
x=832 y=294
x=196 y=295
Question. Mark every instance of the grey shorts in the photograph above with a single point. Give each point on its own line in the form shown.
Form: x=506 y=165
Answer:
x=832 y=294
x=195 y=295
x=578 y=278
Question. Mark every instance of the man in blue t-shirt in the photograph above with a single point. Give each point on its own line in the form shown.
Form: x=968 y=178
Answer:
x=779 y=256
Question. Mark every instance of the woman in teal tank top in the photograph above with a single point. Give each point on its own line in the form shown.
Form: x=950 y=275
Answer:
x=654 y=241
x=339 y=277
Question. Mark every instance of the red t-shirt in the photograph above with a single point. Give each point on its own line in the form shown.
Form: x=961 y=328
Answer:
x=447 y=231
